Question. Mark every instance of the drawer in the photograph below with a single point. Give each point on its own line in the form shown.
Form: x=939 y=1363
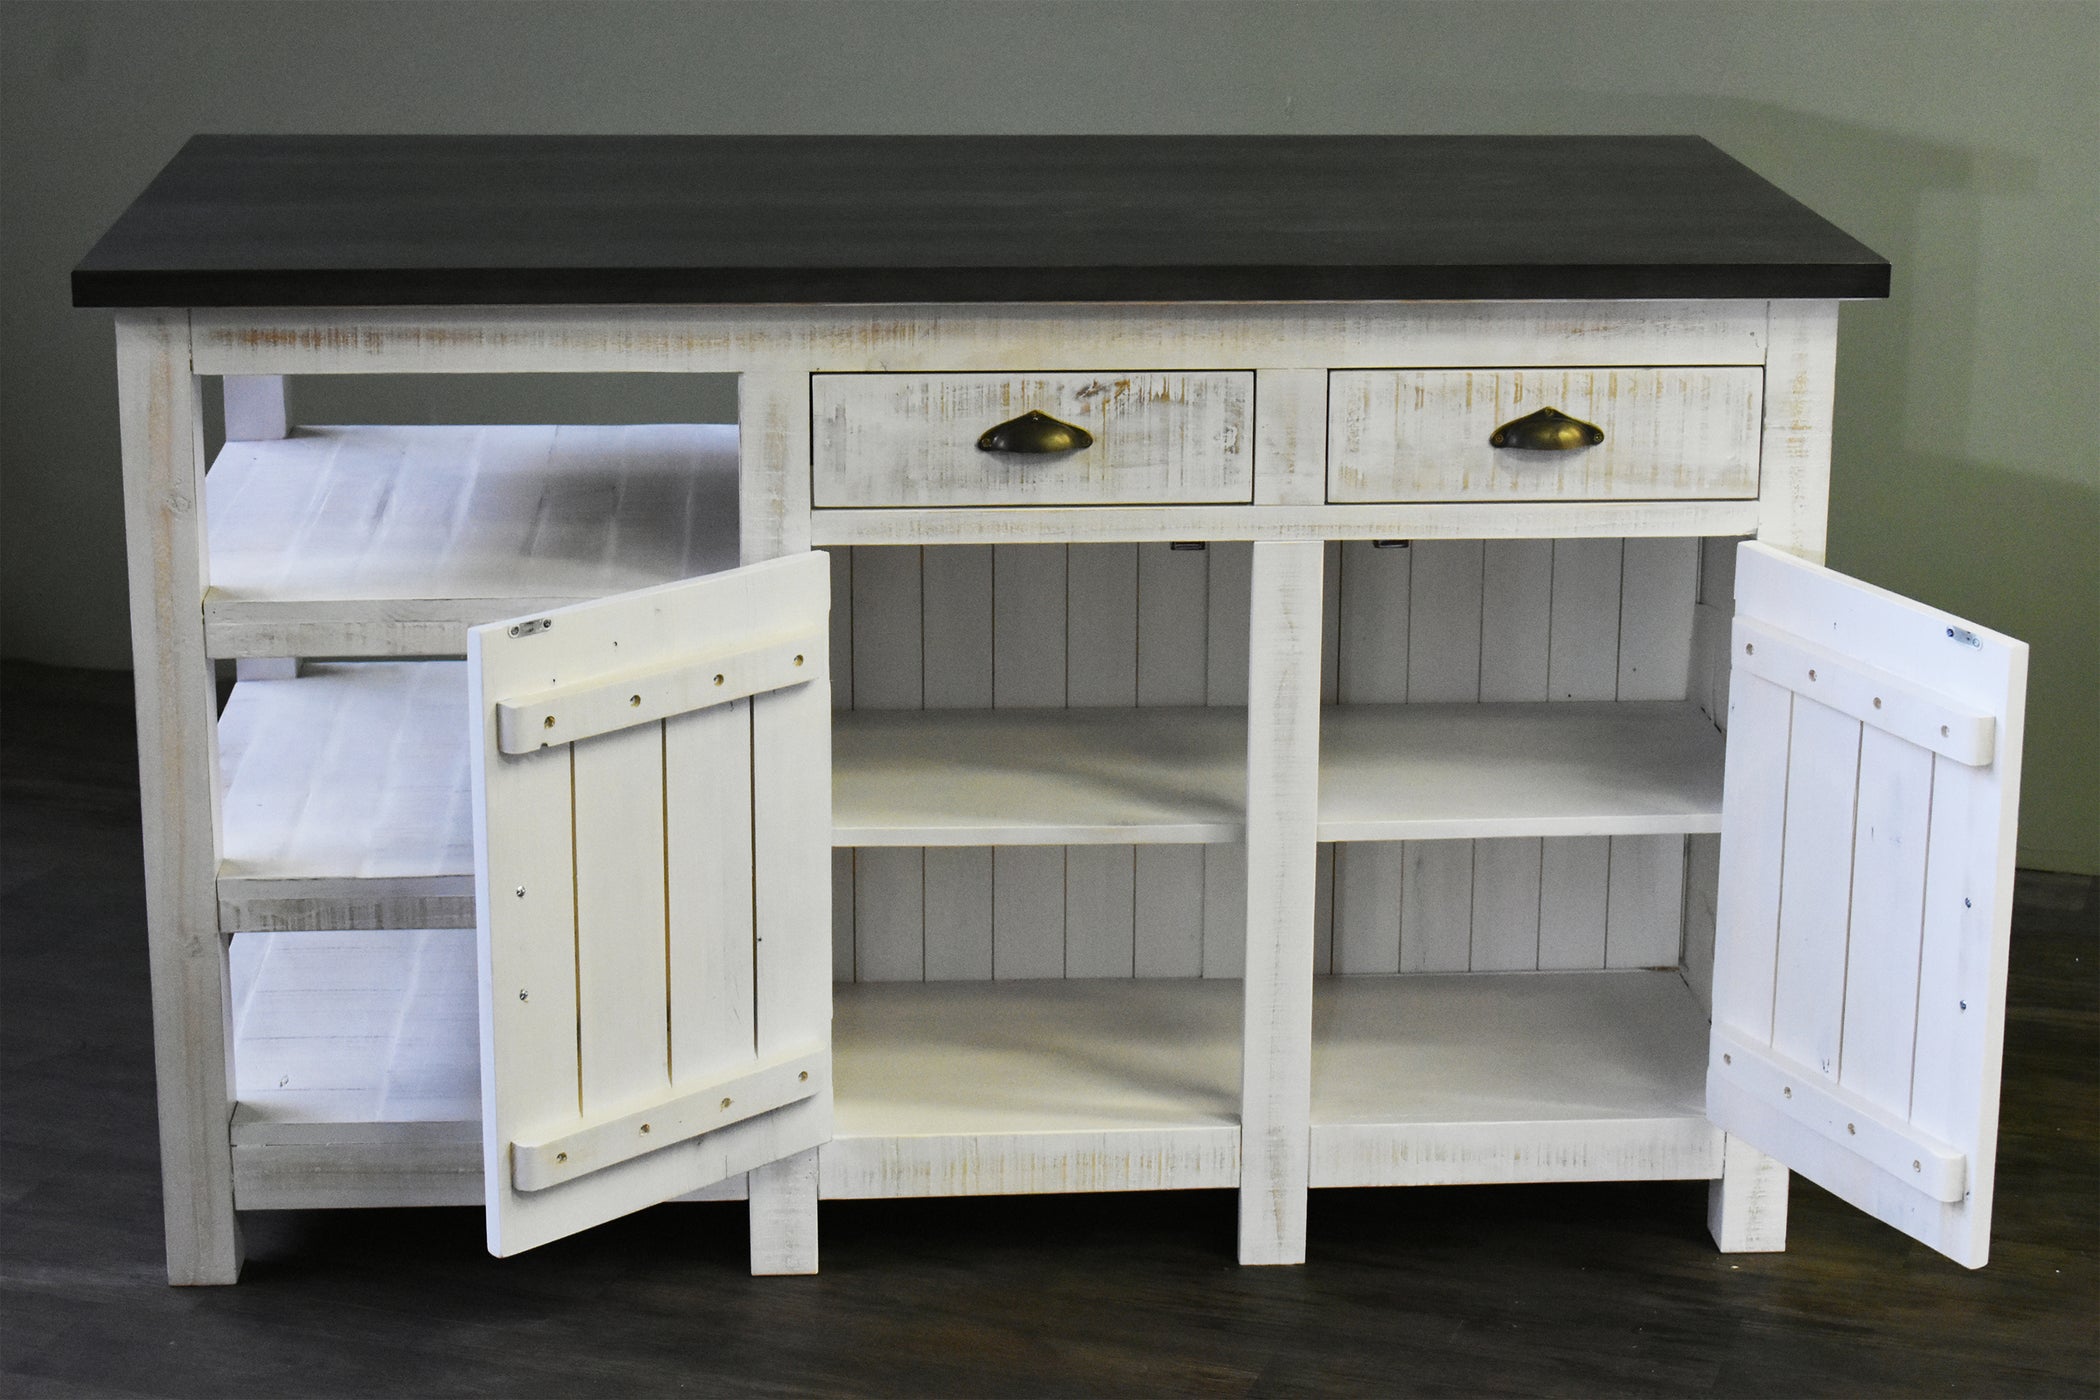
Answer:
x=1422 y=435
x=1159 y=438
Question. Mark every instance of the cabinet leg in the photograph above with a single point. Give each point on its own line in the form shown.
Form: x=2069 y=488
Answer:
x=784 y=1215
x=1746 y=1207
x=1283 y=764
x=178 y=792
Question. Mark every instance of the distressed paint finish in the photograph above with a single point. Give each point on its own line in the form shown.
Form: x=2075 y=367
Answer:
x=163 y=444
x=1423 y=435
x=1800 y=400
x=911 y=440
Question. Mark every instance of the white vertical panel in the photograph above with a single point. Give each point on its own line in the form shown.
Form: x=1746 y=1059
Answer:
x=1225 y=867
x=956 y=588
x=708 y=889
x=1323 y=906
x=1505 y=905
x=254 y=407
x=1443 y=631
x=1644 y=918
x=1100 y=911
x=1573 y=881
x=1516 y=615
x=1815 y=886
x=1436 y=907
x=1367 y=899
x=1584 y=664
x=1101 y=668
x=1659 y=579
x=1172 y=669
x=1028 y=669
x=1028 y=912
x=889 y=914
x=1888 y=911
x=1753 y=826
x=889 y=927
x=622 y=996
x=1169 y=911
x=841 y=629
x=842 y=915
x=1283 y=795
x=958 y=913
x=1331 y=625
x=1374 y=608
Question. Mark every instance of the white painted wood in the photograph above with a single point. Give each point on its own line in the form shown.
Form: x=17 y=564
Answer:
x=1168 y=911
x=1516 y=619
x=1457 y=1080
x=1746 y=1206
x=957 y=592
x=1658 y=587
x=709 y=891
x=1030 y=608
x=1028 y=913
x=1368 y=878
x=1100 y=909
x=912 y=439
x=1290 y=452
x=1852 y=1122
x=161 y=432
x=643 y=695
x=1039 y=777
x=1801 y=380
x=1104 y=597
x=1173 y=628
x=1915 y=713
x=255 y=407
x=571 y=897
x=1443 y=627
x=783 y=1197
x=889 y=675
x=266 y=668
x=1583 y=663
x=374 y=541
x=773 y=432
x=1035 y=1086
x=1505 y=906
x=1841 y=884
x=1075 y=337
x=1426 y=521
x=1644 y=905
x=1283 y=746
x=346 y=800
x=1226 y=657
x=1371 y=657
x=1436 y=906
x=1574 y=881
x=958 y=893
x=889 y=915
x=1435 y=772
x=1423 y=435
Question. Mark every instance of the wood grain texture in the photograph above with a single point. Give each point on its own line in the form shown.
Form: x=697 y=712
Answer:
x=912 y=440
x=491 y=220
x=1423 y=435
x=162 y=433
x=373 y=541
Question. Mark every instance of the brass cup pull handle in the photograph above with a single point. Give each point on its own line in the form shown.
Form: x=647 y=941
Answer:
x=1548 y=430
x=1034 y=432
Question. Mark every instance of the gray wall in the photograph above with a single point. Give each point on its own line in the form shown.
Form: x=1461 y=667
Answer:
x=1956 y=139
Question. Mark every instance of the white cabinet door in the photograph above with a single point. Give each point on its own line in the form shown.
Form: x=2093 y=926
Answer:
x=1866 y=895
x=652 y=865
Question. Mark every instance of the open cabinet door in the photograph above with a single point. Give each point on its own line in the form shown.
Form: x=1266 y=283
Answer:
x=1866 y=895
x=652 y=865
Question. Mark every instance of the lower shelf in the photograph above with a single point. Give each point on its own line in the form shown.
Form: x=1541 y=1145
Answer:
x=1449 y=1080
x=358 y=1082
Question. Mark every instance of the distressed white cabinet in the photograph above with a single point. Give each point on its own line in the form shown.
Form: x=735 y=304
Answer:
x=1322 y=769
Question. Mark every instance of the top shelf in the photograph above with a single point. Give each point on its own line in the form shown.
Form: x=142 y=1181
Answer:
x=380 y=221
x=392 y=541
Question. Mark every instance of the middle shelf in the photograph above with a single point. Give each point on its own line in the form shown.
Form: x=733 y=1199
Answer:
x=346 y=791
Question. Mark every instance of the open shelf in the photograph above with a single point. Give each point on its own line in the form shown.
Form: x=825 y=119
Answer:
x=1038 y=777
x=357 y=1079
x=1450 y=1080
x=379 y=541
x=1453 y=772
x=347 y=806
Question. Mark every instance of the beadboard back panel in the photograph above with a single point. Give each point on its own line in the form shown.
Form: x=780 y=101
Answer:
x=969 y=626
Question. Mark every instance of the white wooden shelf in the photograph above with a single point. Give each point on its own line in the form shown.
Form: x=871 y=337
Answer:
x=1452 y=772
x=357 y=1074
x=346 y=789
x=1038 y=777
x=1476 y=1078
x=379 y=541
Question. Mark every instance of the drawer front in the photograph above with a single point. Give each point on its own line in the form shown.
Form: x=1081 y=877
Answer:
x=1670 y=433
x=1162 y=438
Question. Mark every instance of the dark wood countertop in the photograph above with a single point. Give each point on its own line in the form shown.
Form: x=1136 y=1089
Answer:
x=667 y=220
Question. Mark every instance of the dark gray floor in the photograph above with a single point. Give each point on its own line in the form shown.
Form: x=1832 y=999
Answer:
x=1508 y=1290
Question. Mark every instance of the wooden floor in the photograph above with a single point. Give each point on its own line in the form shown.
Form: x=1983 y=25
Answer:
x=1586 y=1290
